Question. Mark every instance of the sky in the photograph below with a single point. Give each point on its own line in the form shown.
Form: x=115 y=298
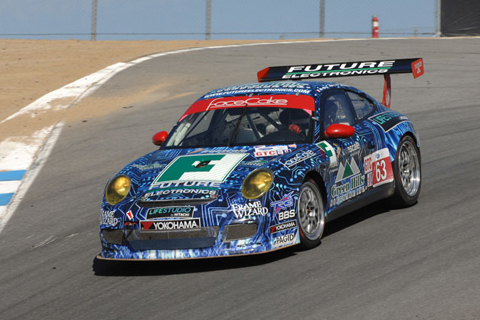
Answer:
x=230 y=19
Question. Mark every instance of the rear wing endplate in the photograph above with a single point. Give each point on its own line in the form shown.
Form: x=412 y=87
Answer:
x=346 y=69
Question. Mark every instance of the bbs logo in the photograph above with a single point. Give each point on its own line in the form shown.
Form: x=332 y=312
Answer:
x=284 y=215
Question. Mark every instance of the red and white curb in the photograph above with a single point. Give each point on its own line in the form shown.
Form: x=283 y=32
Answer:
x=23 y=164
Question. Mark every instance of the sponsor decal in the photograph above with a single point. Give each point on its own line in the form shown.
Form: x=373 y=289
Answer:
x=354 y=148
x=330 y=152
x=378 y=168
x=284 y=215
x=157 y=193
x=254 y=163
x=348 y=184
x=283 y=226
x=165 y=225
x=148 y=166
x=261 y=88
x=417 y=68
x=202 y=150
x=262 y=151
x=209 y=185
x=129 y=215
x=357 y=182
x=235 y=102
x=389 y=119
x=170 y=212
x=285 y=240
x=299 y=157
x=338 y=69
x=347 y=171
x=204 y=168
x=283 y=204
x=249 y=209
x=275 y=99
x=108 y=217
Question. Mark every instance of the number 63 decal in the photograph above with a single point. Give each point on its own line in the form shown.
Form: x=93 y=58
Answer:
x=378 y=168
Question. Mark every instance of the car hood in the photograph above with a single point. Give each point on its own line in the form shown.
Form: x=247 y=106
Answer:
x=200 y=173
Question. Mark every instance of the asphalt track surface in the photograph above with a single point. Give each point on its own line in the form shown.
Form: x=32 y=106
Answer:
x=417 y=263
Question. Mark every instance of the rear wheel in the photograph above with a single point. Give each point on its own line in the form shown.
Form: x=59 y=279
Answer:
x=311 y=216
x=407 y=173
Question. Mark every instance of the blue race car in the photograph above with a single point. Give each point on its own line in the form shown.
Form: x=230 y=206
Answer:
x=258 y=167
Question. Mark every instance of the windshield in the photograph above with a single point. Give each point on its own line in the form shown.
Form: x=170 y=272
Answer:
x=242 y=126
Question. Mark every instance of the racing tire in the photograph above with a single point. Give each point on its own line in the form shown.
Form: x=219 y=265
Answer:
x=407 y=173
x=311 y=215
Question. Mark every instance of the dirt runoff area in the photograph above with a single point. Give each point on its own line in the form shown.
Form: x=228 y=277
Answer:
x=32 y=68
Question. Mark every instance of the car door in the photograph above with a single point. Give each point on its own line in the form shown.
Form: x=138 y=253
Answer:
x=377 y=165
x=347 y=180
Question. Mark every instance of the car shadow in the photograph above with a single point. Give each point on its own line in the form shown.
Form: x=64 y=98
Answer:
x=351 y=219
x=148 y=268
x=166 y=267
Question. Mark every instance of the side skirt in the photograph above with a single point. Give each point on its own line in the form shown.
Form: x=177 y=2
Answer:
x=370 y=197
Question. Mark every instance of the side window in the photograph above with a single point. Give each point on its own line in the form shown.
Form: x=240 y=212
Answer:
x=336 y=109
x=362 y=106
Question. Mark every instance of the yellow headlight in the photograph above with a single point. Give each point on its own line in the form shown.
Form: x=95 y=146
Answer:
x=117 y=189
x=257 y=184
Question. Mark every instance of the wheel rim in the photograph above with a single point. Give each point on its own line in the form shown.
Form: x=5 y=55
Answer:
x=409 y=168
x=310 y=213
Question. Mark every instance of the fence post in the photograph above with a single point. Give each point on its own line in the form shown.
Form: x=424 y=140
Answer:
x=322 y=18
x=208 y=20
x=94 y=21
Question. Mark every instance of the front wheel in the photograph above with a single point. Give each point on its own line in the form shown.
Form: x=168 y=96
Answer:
x=311 y=216
x=407 y=173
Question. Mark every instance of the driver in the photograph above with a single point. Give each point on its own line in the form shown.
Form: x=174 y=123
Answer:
x=294 y=120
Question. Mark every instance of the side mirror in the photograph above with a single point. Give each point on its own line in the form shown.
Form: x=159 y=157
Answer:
x=159 y=138
x=338 y=130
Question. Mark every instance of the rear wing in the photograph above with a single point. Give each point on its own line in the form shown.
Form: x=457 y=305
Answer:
x=346 y=69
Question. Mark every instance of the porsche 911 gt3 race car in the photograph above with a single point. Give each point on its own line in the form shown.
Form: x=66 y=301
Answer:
x=258 y=167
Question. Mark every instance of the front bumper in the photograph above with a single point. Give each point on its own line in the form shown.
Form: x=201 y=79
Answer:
x=235 y=239
x=227 y=225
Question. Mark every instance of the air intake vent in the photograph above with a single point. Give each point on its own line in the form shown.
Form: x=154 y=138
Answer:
x=239 y=231
x=171 y=240
x=114 y=236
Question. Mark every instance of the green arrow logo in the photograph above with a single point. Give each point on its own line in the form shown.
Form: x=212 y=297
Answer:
x=203 y=167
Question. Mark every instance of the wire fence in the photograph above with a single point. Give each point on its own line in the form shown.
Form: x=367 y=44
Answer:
x=214 y=19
